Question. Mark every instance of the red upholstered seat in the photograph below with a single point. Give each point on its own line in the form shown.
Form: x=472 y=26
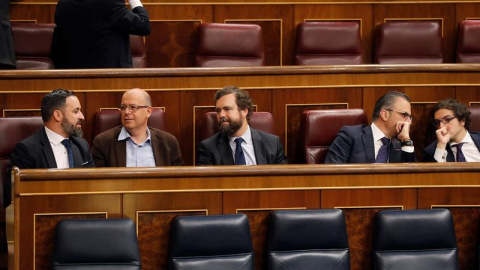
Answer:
x=409 y=43
x=33 y=42
x=328 y=43
x=16 y=129
x=320 y=127
x=475 y=118
x=259 y=120
x=468 y=42
x=109 y=118
x=139 y=52
x=229 y=45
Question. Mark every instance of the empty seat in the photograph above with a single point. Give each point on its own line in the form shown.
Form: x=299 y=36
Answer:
x=468 y=42
x=106 y=244
x=33 y=42
x=308 y=239
x=320 y=128
x=259 y=120
x=229 y=45
x=415 y=240
x=139 y=52
x=211 y=242
x=475 y=118
x=328 y=43
x=106 y=119
x=416 y=42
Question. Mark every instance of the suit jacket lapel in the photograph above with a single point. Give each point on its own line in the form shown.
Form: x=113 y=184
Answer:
x=121 y=152
x=47 y=150
x=450 y=155
x=77 y=156
x=368 y=144
x=157 y=147
x=395 y=151
x=258 y=147
x=476 y=139
x=225 y=150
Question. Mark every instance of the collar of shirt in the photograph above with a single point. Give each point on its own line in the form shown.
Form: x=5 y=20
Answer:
x=247 y=137
x=124 y=135
x=53 y=137
x=377 y=133
x=467 y=140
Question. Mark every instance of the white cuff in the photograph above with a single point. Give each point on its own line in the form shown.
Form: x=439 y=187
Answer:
x=440 y=155
x=135 y=3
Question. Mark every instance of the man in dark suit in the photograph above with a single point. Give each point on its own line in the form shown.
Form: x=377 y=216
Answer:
x=237 y=143
x=454 y=142
x=134 y=144
x=387 y=139
x=58 y=144
x=7 y=52
x=95 y=33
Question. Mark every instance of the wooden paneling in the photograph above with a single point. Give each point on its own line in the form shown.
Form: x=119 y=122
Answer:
x=35 y=232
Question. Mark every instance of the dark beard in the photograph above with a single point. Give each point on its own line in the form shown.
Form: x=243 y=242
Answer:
x=231 y=128
x=71 y=130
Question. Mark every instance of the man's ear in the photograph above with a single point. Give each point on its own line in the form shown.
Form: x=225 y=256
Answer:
x=57 y=115
x=149 y=111
x=384 y=115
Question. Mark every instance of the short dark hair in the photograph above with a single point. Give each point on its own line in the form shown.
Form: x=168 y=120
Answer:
x=54 y=101
x=243 y=99
x=386 y=101
x=459 y=109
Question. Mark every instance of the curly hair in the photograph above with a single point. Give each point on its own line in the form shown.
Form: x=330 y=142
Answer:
x=243 y=99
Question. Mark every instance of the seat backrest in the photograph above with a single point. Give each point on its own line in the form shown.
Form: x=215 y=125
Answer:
x=415 y=42
x=320 y=128
x=105 y=244
x=229 y=45
x=474 y=118
x=300 y=239
x=328 y=43
x=211 y=242
x=33 y=42
x=468 y=42
x=17 y=128
x=414 y=239
x=106 y=119
x=259 y=120
x=139 y=52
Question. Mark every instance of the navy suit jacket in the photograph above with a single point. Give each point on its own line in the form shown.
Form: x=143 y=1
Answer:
x=95 y=33
x=216 y=150
x=354 y=144
x=429 y=151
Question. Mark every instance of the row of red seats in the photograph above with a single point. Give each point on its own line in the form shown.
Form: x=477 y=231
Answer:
x=318 y=43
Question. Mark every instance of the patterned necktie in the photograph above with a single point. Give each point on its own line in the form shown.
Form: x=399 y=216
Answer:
x=239 y=156
x=68 y=145
x=460 y=156
x=384 y=152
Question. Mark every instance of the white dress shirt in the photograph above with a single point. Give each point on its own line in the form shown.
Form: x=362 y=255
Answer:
x=247 y=147
x=59 y=150
x=469 y=150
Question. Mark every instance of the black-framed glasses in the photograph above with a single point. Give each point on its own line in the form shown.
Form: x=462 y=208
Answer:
x=405 y=115
x=444 y=120
x=132 y=108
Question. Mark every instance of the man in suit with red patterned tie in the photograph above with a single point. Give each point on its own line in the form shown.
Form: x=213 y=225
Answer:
x=454 y=142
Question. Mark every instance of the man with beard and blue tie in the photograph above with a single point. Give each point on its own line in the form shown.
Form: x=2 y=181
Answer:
x=237 y=143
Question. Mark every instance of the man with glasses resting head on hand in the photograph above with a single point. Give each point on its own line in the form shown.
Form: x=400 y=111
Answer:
x=386 y=140
x=454 y=142
x=134 y=144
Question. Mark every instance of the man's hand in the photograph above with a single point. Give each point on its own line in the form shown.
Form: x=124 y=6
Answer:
x=443 y=137
x=403 y=130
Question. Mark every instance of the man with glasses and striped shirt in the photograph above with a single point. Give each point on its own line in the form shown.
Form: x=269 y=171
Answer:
x=454 y=142
x=386 y=140
x=134 y=144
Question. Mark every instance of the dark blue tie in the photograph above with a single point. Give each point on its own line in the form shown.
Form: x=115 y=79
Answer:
x=239 y=156
x=460 y=156
x=383 y=153
x=68 y=145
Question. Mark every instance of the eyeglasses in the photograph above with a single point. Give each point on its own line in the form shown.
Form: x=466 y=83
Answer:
x=133 y=108
x=444 y=120
x=405 y=115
